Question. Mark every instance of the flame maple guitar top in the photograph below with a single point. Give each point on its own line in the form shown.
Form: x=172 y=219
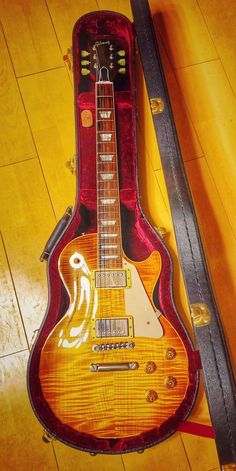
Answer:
x=117 y=402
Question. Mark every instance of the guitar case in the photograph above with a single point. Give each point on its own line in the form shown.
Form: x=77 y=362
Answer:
x=139 y=237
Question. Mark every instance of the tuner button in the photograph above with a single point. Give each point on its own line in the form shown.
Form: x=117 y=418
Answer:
x=84 y=62
x=84 y=53
x=111 y=47
x=111 y=66
x=170 y=382
x=121 y=61
x=121 y=53
x=122 y=70
x=111 y=56
x=94 y=48
x=85 y=71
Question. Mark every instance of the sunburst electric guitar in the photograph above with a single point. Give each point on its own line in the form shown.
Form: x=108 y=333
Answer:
x=109 y=372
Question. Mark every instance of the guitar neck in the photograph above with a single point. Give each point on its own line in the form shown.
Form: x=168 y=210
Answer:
x=108 y=201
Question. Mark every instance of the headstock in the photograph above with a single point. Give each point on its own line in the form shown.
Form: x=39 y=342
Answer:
x=103 y=55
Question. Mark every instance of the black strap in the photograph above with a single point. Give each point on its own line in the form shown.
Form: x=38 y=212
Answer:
x=217 y=372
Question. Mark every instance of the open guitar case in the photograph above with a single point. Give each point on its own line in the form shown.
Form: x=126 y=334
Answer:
x=139 y=237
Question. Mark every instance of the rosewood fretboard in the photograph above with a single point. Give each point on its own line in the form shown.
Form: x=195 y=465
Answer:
x=108 y=202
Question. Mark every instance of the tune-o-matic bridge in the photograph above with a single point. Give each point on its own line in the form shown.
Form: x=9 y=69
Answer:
x=110 y=278
x=101 y=347
x=113 y=327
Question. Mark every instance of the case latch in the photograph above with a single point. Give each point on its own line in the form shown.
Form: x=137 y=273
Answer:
x=200 y=314
x=157 y=105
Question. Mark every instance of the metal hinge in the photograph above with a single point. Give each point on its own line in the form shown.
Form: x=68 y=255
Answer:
x=157 y=105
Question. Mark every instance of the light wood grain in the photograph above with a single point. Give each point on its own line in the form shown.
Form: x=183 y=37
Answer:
x=48 y=99
x=32 y=42
x=184 y=32
x=212 y=109
x=81 y=461
x=220 y=20
x=219 y=242
x=201 y=452
x=15 y=138
x=27 y=220
x=165 y=456
x=120 y=6
x=65 y=14
x=188 y=139
x=22 y=447
x=11 y=327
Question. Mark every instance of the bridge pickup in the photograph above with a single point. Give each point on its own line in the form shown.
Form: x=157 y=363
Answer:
x=98 y=367
x=107 y=279
x=112 y=327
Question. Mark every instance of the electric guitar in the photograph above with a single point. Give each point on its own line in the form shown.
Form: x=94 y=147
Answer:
x=109 y=373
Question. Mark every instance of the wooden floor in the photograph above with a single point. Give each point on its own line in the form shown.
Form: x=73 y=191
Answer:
x=197 y=40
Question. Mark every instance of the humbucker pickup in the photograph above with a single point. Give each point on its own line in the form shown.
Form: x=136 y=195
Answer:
x=107 y=279
x=113 y=327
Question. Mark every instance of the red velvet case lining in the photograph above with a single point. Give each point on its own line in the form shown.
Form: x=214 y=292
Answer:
x=139 y=239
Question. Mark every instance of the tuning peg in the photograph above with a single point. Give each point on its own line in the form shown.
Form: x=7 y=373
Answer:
x=85 y=71
x=84 y=53
x=121 y=61
x=121 y=53
x=111 y=66
x=122 y=70
x=86 y=63
x=111 y=48
x=111 y=56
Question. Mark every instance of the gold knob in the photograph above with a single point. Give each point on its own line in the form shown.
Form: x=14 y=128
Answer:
x=170 y=353
x=152 y=396
x=170 y=382
x=122 y=70
x=84 y=62
x=150 y=367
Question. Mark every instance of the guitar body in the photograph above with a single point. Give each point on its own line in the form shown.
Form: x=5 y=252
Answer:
x=112 y=369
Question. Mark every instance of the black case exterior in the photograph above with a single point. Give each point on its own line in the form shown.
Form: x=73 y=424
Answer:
x=217 y=373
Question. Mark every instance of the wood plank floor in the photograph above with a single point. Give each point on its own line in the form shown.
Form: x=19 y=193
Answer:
x=197 y=41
